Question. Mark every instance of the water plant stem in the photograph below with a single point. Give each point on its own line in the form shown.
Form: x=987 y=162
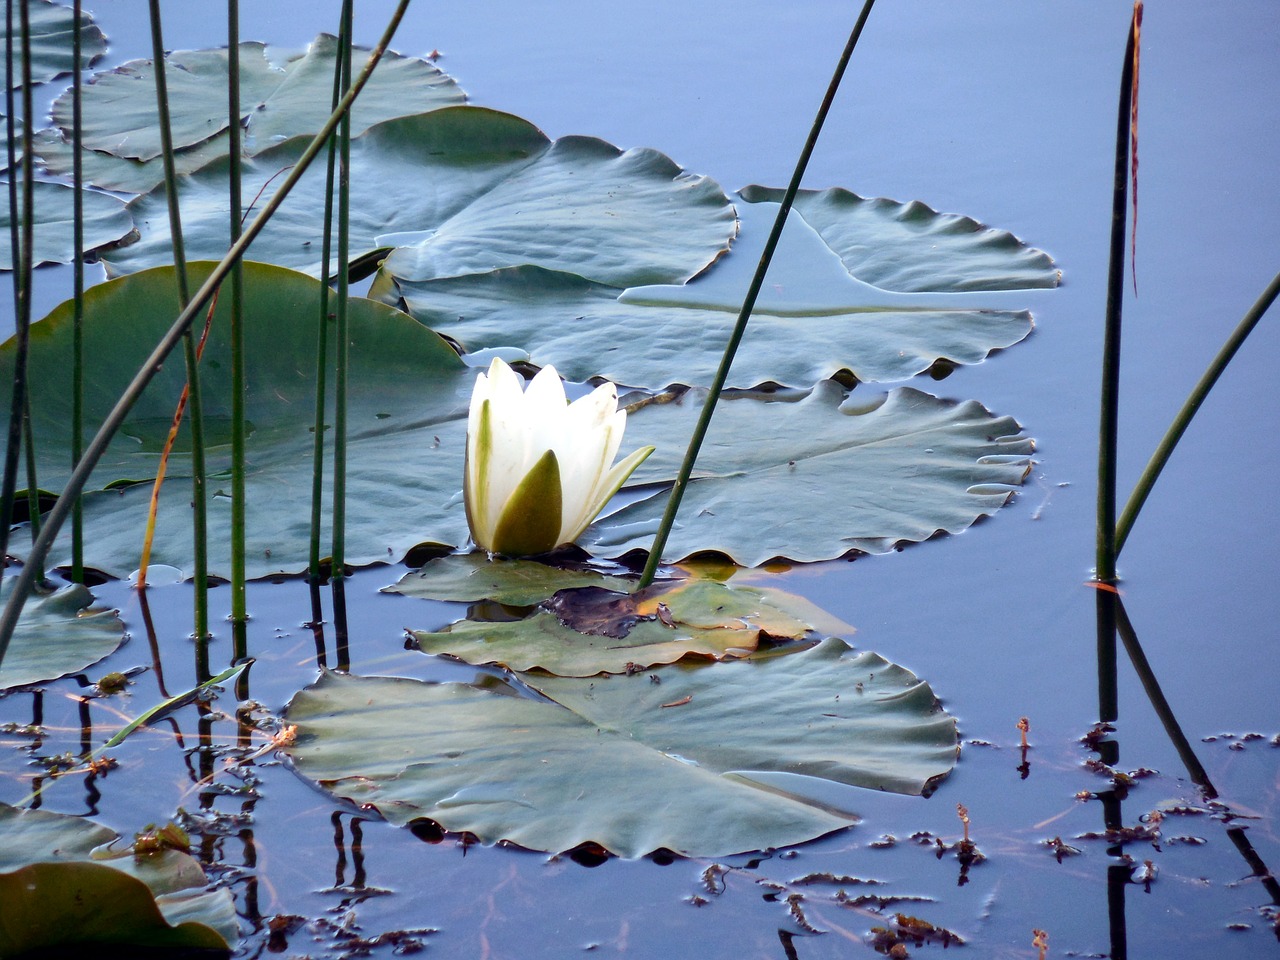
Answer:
x=342 y=358
x=1151 y=473
x=58 y=514
x=1108 y=427
x=748 y=304
x=239 y=608
x=77 y=295
x=19 y=249
x=195 y=418
x=322 y=343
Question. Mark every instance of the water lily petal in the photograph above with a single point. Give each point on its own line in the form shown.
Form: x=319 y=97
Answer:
x=530 y=521
x=612 y=484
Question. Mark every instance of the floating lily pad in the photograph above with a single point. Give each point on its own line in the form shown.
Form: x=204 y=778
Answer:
x=51 y=28
x=62 y=884
x=283 y=94
x=649 y=766
x=579 y=205
x=912 y=247
x=106 y=221
x=582 y=632
x=817 y=478
x=58 y=633
x=469 y=577
x=589 y=330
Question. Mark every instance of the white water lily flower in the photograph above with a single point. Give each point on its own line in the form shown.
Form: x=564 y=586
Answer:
x=539 y=469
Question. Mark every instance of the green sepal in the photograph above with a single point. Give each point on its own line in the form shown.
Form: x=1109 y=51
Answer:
x=530 y=522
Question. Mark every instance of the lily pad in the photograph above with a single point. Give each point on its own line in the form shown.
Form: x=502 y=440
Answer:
x=468 y=577
x=407 y=387
x=106 y=221
x=912 y=247
x=51 y=28
x=817 y=478
x=584 y=632
x=59 y=633
x=283 y=94
x=629 y=773
x=652 y=339
x=62 y=883
x=500 y=194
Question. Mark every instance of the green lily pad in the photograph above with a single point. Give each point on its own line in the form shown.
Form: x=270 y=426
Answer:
x=817 y=478
x=651 y=766
x=51 y=28
x=106 y=221
x=468 y=577
x=283 y=94
x=407 y=386
x=63 y=883
x=912 y=247
x=581 y=633
x=583 y=205
x=654 y=337
x=59 y=633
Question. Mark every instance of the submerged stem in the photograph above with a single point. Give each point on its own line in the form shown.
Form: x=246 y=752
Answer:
x=748 y=304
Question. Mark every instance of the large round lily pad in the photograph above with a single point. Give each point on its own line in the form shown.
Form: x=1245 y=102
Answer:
x=472 y=190
x=817 y=478
x=811 y=321
x=59 y=633
x=626 y=763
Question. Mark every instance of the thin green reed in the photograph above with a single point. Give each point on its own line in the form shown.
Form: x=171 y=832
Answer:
x=1189 y=408
x=1105 y=563
x=342 y=347
x=57 y=516
x=239 y=609
x=77 y=285
x=748 y=304
x=19 y=246
x=322 y=338
x=200 y=573
x=337 y=571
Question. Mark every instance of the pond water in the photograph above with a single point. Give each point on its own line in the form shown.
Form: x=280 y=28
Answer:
x=1000 y=110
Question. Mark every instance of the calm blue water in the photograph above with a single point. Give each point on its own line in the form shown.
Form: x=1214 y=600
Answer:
x=1003 y=111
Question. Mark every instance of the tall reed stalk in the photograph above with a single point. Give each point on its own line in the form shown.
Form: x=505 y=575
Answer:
x=239 y=608
x=77 y=292
x=60 y=511
x=195 y=418
x=748 y=304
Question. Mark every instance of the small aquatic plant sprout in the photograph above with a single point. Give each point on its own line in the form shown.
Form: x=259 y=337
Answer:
x=538 y=468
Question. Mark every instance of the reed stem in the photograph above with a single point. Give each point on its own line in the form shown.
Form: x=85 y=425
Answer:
x=195 y=417
x=1189 y=409
x=57 y=516
x=748 y=304
x=239 y=608
x=338 y=567
x=1108 y=428
x=77 y=285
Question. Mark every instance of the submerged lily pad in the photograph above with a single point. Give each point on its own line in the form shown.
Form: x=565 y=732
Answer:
x=51 y=28
x=626 y=763
x=106 y=221
x=62 y=883
x=817 y=478
x=469 y=577
x=586 y=631
x=447 y=182
x=912 y=247
x=58 y=633
x=283 y=94
x=811 y=321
